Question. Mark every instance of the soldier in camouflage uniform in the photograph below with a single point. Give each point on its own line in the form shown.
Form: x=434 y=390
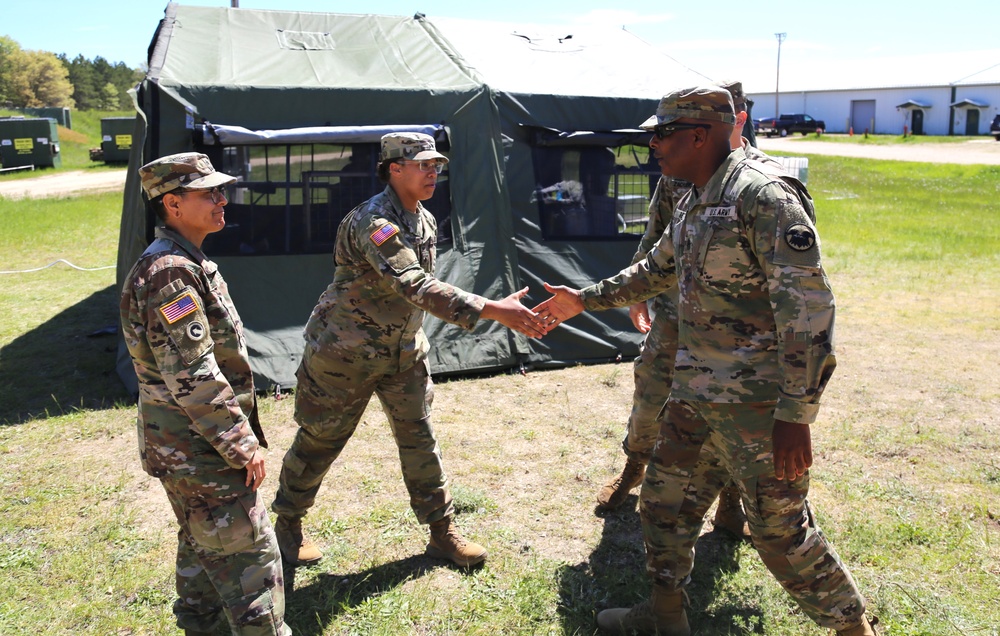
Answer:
x=755 y=351
x=365 y=337
x=197 y=424
x=654 y=367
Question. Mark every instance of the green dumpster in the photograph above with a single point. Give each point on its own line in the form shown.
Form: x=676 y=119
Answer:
x=29 y=142
x=116 y=138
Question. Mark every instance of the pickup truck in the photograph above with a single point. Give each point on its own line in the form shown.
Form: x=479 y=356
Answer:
x=995 y=128
x=785 y=124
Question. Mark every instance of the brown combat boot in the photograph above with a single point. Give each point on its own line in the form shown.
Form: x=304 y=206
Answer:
x=447 y=543
x=864 y=628
x=729 y=516
x=296 y=547
x=615 y=492
x=663 y=614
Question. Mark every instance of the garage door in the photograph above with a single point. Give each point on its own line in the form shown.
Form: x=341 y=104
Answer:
x=863 y=115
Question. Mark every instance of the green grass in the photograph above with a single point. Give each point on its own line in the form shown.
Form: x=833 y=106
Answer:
x=74 y=145
x=906 y=480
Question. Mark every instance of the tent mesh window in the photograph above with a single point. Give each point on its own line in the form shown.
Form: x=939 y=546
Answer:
x=593 y=191
x=290 y=199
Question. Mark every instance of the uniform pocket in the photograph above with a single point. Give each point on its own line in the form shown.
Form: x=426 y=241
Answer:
x=227 y=525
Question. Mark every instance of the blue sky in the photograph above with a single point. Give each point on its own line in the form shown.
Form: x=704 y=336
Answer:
x=845 y=44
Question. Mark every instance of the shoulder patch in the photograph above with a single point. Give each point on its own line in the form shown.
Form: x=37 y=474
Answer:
x=800 y=237
x=384 y=233
x=179 y=307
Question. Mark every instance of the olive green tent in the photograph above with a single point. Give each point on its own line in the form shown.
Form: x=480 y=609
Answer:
x=549 y=178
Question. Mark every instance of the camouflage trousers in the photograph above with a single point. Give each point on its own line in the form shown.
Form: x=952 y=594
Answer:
x=331 y=396
x=653 y=371
x=228 y=563
x=701 y=446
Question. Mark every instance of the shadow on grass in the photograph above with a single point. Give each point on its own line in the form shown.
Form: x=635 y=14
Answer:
x=65 y=364
x=311 y=608
x=615 y=576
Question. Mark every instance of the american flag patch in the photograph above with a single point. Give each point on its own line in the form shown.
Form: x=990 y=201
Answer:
x=178 y=308
x=384 y=233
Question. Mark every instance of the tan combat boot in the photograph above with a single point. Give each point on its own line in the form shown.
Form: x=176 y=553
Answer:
x=663 y=614
x=615 y=492
x=729 y=516
x=447 y=543
x=296 y=548
x=864 y=628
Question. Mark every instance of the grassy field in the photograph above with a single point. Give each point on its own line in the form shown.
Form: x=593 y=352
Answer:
x=905 y=484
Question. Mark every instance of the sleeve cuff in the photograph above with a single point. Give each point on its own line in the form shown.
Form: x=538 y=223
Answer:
x=797 y=412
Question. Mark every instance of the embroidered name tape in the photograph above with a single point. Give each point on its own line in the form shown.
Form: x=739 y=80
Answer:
x=728 y=212
x=384 y=233
x=178 y=308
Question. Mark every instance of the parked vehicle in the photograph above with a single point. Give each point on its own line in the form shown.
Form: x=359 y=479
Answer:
x=995 y=128
x=796 y=123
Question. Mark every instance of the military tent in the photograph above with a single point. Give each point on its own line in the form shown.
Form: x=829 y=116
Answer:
x=549 y=178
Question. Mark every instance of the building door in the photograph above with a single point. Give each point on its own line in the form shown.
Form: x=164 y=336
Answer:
x=917 y=117
x=863 y=115
x=971 y=121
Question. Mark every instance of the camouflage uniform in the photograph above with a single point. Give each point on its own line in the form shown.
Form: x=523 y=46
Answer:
x=653 y=369
x=365 y=337
x=755 y=345
x=197 y=426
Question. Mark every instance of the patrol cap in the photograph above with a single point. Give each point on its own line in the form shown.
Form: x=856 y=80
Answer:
x=736 y=90
x=190 y=170
x=699 y=102
x=410 y=145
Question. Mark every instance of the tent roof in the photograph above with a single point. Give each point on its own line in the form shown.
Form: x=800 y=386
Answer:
x=578 y=60
x=218 y=46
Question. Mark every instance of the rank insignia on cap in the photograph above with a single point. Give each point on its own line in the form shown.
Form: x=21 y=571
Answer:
x=178 y=308
x=384 y=233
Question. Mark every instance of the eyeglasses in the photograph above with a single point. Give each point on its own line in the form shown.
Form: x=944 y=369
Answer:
x=427 y=165
x=216 y=194
x=665 y=130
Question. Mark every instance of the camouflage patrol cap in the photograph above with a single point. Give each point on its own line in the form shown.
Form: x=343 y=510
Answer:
x=736 y=90
x=191 y=170
x=411 y=146
x=699 y=102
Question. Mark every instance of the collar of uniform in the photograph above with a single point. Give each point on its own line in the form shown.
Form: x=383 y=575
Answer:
x=713 y=191
x=196 y=254
x=409 y=219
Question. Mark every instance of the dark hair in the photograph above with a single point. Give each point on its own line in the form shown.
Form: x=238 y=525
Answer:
x=383 y=169
x=157 y=206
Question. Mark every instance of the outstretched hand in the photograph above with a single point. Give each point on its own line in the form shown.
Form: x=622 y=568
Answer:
x=510 y=313
x=563 y=305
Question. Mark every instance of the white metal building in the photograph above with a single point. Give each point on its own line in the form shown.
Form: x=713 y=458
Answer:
x=965 y=107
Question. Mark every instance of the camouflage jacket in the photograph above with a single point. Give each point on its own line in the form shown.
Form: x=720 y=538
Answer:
x=197 y=407
x=383 y=284
x=755 y=308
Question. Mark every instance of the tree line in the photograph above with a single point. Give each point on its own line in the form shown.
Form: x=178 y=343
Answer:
x=35 y=79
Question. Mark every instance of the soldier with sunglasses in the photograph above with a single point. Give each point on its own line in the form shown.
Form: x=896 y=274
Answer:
x=755 y=352
x=197 y=410
x=365 y=338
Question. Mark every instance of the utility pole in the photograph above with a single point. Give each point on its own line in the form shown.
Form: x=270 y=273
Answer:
x=777 y=75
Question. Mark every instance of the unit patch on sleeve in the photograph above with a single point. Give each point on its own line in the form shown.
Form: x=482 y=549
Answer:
x=384 y=233
x=800 y=237
x=179 y=307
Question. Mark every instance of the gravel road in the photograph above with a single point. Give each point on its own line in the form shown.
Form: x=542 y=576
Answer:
x=978 y=151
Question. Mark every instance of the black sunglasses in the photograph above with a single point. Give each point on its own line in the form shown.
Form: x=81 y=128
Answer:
x=665 y=130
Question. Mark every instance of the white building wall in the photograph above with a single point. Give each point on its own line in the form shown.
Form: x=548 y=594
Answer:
x=834 y=107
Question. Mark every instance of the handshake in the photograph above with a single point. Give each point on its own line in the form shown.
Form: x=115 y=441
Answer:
x=564 y=303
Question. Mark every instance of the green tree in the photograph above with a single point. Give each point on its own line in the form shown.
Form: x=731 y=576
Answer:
x=48 y=81
x=109 y=97
x=13 y=73
x=82 y=77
